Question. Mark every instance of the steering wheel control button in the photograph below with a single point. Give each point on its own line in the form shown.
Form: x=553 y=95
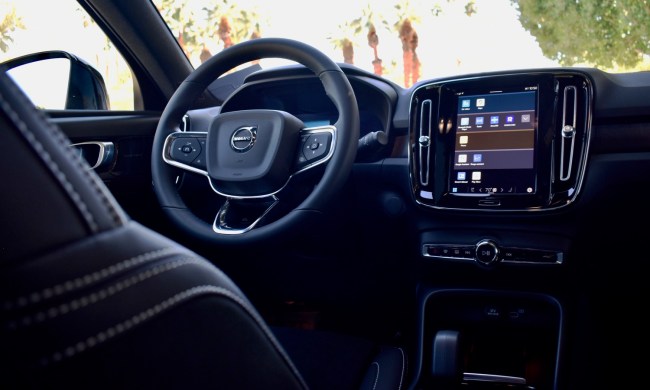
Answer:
x=199 y=161
x=316 y=146
x=185 y=150
x=301 y=160
x=487 y=252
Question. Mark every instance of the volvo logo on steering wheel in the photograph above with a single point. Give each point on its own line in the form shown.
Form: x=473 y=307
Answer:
x=243 y=138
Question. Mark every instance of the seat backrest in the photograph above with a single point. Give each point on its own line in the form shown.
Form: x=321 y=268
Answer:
x=91 y=298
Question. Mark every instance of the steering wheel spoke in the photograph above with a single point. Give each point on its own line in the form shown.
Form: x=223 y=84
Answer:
x=186 y=150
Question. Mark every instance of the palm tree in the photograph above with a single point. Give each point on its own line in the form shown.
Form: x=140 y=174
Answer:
x=411 y=63
x=406 y=15
x=224 y=32
x=373 y=38
x=8 y=25
x=344 y=41
x=184 y=23
x=373 y=42
x=235 y=24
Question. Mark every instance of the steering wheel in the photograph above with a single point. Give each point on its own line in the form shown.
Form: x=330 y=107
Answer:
x=250 y=156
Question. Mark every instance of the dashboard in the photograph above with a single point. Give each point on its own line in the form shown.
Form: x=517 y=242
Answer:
x=492 y=216
x=495 y=203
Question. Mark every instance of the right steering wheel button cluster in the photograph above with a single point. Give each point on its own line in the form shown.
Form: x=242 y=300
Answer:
x=313 y=147
x=316 y=146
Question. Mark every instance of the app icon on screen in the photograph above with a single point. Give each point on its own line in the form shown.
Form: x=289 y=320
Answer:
x=464 y=121
x=476 y=175
x=479 y=120
x=461 y=176
x=510 y=119
x=465 y=103
x=463 y=139
x=494 y=120
x=478 y=157
x=480 y=102
x=462 y=158
x=525 y=118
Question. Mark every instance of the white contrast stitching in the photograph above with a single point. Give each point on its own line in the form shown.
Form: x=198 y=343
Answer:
x=54 y=168
x=144 y=315
x=100 y=295
x=401 y=377
x=82 y=281
x=374 y=386
x=75 y=158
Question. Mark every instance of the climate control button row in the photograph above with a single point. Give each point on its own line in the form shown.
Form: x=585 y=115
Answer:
x=487 y=253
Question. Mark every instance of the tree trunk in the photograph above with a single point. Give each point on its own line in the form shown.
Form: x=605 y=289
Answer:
x=224 y=32
x=205 y=54
x=415 y=73
x=348 y=52
x=181 y=43
x=377 y=66
x=405 y=35
x=373 y=42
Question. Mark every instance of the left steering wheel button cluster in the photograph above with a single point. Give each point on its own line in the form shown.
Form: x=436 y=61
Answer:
x=199 y=161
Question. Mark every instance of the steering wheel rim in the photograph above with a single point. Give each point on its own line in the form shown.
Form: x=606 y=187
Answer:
x=337 y=88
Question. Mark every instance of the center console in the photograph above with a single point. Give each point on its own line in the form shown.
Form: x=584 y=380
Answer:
x=484 y=339
x=493 y=158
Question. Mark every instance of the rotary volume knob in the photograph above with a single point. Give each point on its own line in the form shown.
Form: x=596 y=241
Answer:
x=487 y=252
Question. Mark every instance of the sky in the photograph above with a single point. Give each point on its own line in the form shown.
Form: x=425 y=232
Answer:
x=452 y=43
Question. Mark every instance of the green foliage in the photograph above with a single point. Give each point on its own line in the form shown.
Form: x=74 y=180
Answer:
x=603 y=33
x=470 y=8
x=194 y=27
x=10 y=22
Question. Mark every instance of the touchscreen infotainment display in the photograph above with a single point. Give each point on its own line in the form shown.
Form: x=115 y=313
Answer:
x=494 y=145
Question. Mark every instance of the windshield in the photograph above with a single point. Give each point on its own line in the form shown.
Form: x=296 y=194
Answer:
x=408 y=41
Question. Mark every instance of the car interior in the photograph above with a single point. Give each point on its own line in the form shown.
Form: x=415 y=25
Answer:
x=315 y=225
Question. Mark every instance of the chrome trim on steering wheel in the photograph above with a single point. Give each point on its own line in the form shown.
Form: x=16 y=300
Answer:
x=166 y=155
x=220 y=227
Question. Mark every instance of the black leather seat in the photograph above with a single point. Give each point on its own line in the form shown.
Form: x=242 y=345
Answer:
x=91 y=298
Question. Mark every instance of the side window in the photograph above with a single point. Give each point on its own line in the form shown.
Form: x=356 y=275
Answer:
x=72 y=65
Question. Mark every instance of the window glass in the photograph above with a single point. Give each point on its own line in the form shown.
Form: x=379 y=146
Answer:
x=412 y=40
x=31 y=26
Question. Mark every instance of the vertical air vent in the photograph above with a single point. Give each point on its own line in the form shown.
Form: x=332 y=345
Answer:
x=569 y=125
x=424 y=141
